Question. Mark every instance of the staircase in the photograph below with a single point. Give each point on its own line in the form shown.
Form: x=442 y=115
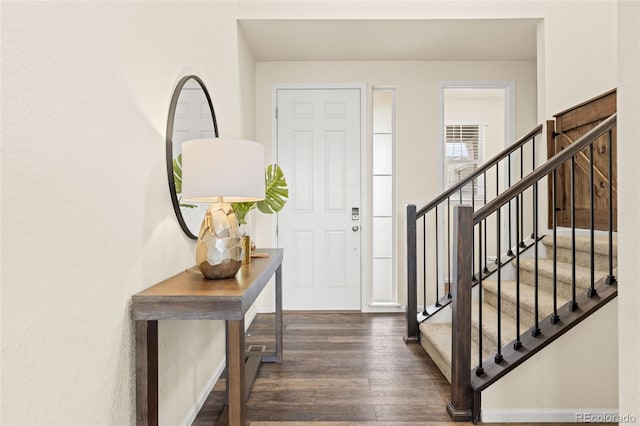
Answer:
x=435 y=337
x=479 y=319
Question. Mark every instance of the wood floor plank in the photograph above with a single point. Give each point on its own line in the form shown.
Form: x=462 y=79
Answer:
x=340 y=368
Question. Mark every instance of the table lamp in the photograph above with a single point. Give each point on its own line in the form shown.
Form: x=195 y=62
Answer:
x=221 y=171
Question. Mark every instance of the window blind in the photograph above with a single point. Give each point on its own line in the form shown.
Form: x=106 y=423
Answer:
x=463 y=149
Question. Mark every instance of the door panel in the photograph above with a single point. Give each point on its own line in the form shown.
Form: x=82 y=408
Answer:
x=569 y=126
x=318 y=134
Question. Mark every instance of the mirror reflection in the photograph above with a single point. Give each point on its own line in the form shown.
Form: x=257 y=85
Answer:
x=191 y=116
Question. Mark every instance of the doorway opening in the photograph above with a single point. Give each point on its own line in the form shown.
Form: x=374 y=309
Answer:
x=477 y=122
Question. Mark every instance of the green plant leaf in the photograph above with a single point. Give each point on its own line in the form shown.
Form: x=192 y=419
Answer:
x=276 y=192
x=177 y=173
x=241 y=210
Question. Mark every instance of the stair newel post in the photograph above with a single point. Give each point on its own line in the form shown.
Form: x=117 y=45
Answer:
x=611 y=279
x=460 y=408
x=412 y=277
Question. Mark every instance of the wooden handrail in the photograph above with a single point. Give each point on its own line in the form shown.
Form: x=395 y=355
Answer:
x=484 y=167
x=542 y=171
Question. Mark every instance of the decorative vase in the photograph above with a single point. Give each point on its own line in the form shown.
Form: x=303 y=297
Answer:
x=219 y=248
x=246 y=249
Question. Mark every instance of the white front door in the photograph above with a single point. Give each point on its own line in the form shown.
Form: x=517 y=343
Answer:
x=318 y=143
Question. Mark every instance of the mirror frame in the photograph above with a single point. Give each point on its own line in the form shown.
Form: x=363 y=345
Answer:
x=169 y=145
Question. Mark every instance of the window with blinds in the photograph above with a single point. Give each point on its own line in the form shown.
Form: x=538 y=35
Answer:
x=464 y=145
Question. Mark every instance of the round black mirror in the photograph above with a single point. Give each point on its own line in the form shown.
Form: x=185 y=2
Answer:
x=191 y=116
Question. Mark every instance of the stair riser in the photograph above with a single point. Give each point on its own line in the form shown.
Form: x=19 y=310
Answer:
x=489 y=347
x=582 y=258
x=441 y=361
x=509 y=310
x=546 y=283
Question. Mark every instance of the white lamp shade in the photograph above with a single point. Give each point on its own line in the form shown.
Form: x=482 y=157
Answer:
x=229 y=168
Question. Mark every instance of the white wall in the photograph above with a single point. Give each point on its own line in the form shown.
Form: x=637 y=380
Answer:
x=575 y=374
x=418 y=121
x=579 y=62
x=628 y=204
x=86 y=215
x=85 y=94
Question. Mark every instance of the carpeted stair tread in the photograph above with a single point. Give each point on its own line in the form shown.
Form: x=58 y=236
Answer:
x=582 y=256
x=564 y=271
x=508 y=291
x=583 y=243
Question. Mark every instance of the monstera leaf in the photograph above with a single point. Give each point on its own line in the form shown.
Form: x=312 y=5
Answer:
x=177 y=179
x=177 y=173
x=276 y=194
x=242 y=209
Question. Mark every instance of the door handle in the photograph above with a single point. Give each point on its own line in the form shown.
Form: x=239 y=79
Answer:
x=355 y=228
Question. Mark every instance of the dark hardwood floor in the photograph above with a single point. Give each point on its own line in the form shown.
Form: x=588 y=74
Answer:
x=347 y=367
x=340 y=369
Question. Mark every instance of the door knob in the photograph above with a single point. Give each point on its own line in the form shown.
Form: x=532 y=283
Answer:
x=355 y=228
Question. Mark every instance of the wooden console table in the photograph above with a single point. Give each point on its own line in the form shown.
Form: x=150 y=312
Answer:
x=189 y=296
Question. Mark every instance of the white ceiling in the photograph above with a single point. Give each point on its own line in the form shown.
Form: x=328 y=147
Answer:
x=394 y=40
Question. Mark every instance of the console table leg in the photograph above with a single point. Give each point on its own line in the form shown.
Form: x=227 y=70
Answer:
x=146 y=373
x=236 y=372
x=279 y=314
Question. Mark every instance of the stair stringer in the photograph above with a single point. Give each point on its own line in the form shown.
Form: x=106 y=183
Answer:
x=575 y=375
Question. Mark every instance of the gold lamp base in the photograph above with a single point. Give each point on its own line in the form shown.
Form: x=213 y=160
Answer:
x=219 y=246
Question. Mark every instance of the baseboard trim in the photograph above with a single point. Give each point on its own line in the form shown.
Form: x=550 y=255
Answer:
x=265 y=310
x=382 y=308
x=576 y=415
x=204 y=394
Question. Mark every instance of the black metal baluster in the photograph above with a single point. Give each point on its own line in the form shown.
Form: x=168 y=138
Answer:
x=484 y=192
x=424 y=267
x=534 y=235
x=509 y=251
x=555 y=318
x=479 y=369
x=592 y=288
x=449 y=241
x=521 y=241
x=437 y=268
x=611 y=279
x=499 y=357
x=473 y=208
x=517 y=344
x=574 y=304
x=535 y=331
